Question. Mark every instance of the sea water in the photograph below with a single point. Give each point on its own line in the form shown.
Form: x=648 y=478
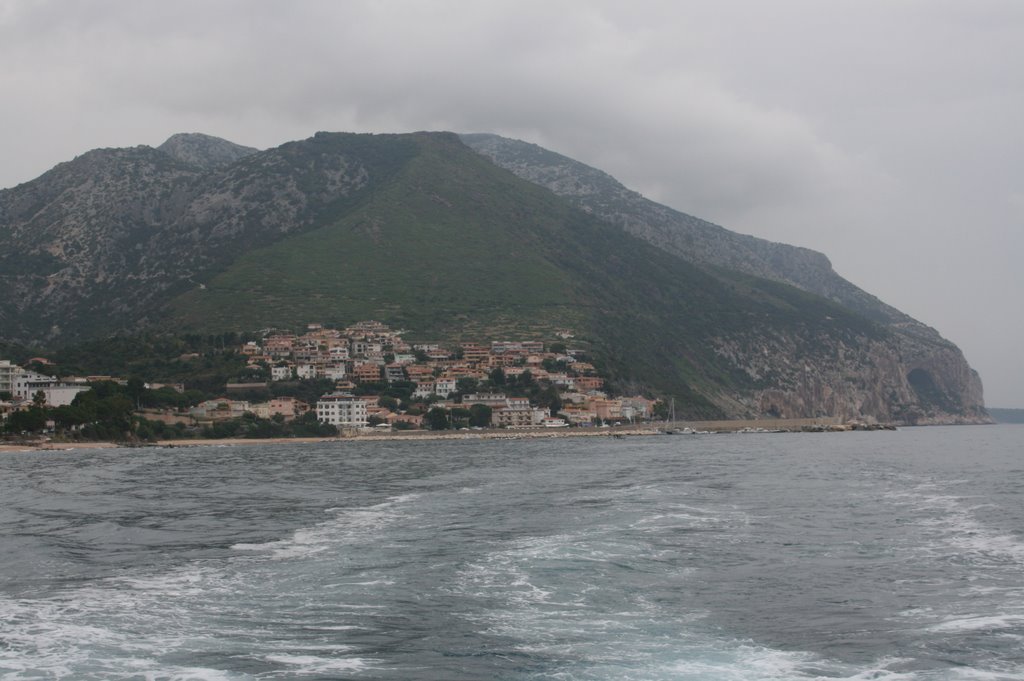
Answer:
x=884 y=555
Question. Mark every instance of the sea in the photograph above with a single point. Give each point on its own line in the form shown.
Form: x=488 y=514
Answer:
x=860 y=555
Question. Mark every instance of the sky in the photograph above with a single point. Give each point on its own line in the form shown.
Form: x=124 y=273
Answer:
x=886 y=134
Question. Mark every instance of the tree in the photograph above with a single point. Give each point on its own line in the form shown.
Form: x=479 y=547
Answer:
x=437 y=419
x=466 y=386
x=32 y=421
x=136 y=390
x=460 y=417
x=549 y=399
x=497 y=376
x=480 y=416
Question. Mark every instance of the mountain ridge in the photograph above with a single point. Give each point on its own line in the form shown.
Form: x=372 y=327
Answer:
x=420 y=228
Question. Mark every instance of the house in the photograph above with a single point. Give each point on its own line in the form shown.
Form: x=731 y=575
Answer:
x=419 y=372
x=424 y=389
x=444 y=386
x=475 y=353
x=366 y=372
x=584 y=368
x=251 y=348
x=415 y=420
x=278 y=345
x=282 y=373
x=578 y=416
x=605 y=408
x=394 y=372
x=585 y=383
x=438 y=354
x=637 y=407
x=334 y=372
x=338 y=353
x=343 y=410
x=288 y=407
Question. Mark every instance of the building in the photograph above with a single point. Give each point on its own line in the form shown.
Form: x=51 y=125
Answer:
x=343 y=410
x=444 y=386
x=334 y=372
x=515 y=413
x=7 y=373
x=394 y=372
x=219 y=409
x=606 y=408
x=491 y=400
x=585 y=383
x=366 y=372
x=27 y=384
x=475 y=353
x=280 y=373
x=424 y=389
x=288 y=407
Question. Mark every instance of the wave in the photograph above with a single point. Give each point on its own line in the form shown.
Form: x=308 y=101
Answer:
x=139 y=624
x=348 y=525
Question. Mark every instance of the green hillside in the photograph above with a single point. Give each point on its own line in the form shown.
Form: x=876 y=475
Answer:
x=452 y=246
x=441 y=242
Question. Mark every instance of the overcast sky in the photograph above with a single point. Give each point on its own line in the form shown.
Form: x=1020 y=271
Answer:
x=887 y=134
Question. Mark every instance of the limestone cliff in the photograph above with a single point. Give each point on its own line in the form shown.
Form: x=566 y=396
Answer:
x=915 y=376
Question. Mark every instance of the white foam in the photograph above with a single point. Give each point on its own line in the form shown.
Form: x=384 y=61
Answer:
x=311 y=664
x=979 y=623
x=349 y=524
x=952 y=521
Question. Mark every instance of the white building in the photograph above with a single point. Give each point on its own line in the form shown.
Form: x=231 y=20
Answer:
x=27 y=384
x=424 y=389
x=7 y=373
x=444 y=386
x=334 y=372
x=342 y=409
x=280 y=373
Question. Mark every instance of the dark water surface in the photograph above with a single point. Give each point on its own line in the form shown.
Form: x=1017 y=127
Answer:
x=845 y=556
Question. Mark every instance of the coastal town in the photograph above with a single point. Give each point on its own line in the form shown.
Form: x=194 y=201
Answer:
x=373 y=380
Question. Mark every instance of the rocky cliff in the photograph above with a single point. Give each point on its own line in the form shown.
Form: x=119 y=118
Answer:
x=916 y=377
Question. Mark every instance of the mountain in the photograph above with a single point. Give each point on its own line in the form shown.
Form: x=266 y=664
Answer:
x=689 y=237
x=204 y=151
x=928 y=356
x=424 y=232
